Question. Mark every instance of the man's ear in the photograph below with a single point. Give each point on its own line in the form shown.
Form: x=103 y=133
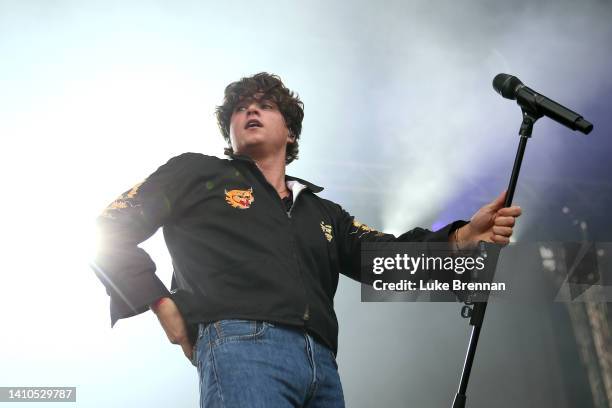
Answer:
x=290 y=137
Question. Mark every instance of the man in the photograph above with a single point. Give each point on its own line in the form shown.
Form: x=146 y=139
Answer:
x=256 y=255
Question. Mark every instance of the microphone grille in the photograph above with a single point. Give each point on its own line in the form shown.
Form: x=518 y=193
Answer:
x=506 y=85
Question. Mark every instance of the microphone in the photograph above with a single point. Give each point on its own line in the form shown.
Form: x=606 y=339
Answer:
x=511 y=87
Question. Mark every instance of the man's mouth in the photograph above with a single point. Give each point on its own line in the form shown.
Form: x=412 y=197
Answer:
x=253 y=123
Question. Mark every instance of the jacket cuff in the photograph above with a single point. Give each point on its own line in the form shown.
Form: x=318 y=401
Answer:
x=443 y=234
x=149 y=291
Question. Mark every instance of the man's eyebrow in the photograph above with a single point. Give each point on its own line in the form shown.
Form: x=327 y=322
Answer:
x=248 y=100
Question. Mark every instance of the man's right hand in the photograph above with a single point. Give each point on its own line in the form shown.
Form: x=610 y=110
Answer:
x=173 y=324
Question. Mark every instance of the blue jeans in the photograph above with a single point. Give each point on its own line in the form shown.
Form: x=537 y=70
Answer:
x=243 y=363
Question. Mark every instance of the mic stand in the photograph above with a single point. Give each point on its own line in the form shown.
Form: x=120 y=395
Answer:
x=477 y=312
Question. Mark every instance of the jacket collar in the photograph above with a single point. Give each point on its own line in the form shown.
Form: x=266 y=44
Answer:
x=312 y=187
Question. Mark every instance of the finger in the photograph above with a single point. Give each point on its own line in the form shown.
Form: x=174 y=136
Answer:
x=498 y=239
x=504 y=221
x=499 y=201
x=514 y=211
x=187 y=349
x=503 y=231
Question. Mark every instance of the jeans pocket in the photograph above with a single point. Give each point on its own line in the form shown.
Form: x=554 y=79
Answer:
x=238 y=330
x=201 y=343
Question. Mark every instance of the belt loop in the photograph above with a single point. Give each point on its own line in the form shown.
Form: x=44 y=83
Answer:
x=200 y=330
x=218 y=331
x=204 y=330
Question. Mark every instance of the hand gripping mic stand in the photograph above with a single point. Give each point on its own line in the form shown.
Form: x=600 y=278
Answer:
x=477 y=313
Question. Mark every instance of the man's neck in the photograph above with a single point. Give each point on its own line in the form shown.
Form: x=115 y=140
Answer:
x=273 y=169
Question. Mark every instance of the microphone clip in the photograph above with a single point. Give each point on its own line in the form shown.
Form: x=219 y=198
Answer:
x=529 y=119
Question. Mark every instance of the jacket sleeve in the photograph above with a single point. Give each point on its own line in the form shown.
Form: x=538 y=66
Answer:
x=352 y=234
x=125 y=269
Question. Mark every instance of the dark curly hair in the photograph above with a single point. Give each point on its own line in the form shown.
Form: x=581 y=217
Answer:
x=271 y=87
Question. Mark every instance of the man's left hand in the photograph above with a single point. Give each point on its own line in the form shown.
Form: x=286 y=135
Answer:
x=491 y=223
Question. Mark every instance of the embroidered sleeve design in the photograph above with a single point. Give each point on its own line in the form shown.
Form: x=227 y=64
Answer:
x=362 y=229
x=125 y=200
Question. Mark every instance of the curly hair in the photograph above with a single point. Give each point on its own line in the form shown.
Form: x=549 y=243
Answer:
x=270 y=87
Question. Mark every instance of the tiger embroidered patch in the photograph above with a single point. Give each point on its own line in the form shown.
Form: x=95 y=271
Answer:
x=241 y=199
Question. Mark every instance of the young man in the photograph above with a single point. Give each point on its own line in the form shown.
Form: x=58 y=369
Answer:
x=257 y=256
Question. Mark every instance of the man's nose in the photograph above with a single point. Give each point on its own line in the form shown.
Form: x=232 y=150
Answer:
x=252 y=109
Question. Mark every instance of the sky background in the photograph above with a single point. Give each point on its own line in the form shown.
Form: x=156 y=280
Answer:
x=402 y=127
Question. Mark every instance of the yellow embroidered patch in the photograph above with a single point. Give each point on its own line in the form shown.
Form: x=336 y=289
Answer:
x=132 y=193
x=327 y=230
x=364 y=229
x=125 y=200
x=241 y=199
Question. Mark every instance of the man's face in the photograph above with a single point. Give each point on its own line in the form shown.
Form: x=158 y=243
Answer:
x=257 y=128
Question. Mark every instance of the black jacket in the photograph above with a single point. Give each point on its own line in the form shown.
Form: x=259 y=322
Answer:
x=235 y=250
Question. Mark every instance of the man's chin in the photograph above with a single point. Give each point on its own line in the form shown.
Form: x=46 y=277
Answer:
x=256 y=151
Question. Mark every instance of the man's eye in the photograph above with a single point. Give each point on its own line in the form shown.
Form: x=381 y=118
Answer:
x=267 y=106
x=240 y=108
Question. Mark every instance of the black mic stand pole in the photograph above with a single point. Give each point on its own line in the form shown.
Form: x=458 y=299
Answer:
x=477 y=313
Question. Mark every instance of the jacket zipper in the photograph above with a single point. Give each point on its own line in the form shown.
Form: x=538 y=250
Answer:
x=306 y=315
